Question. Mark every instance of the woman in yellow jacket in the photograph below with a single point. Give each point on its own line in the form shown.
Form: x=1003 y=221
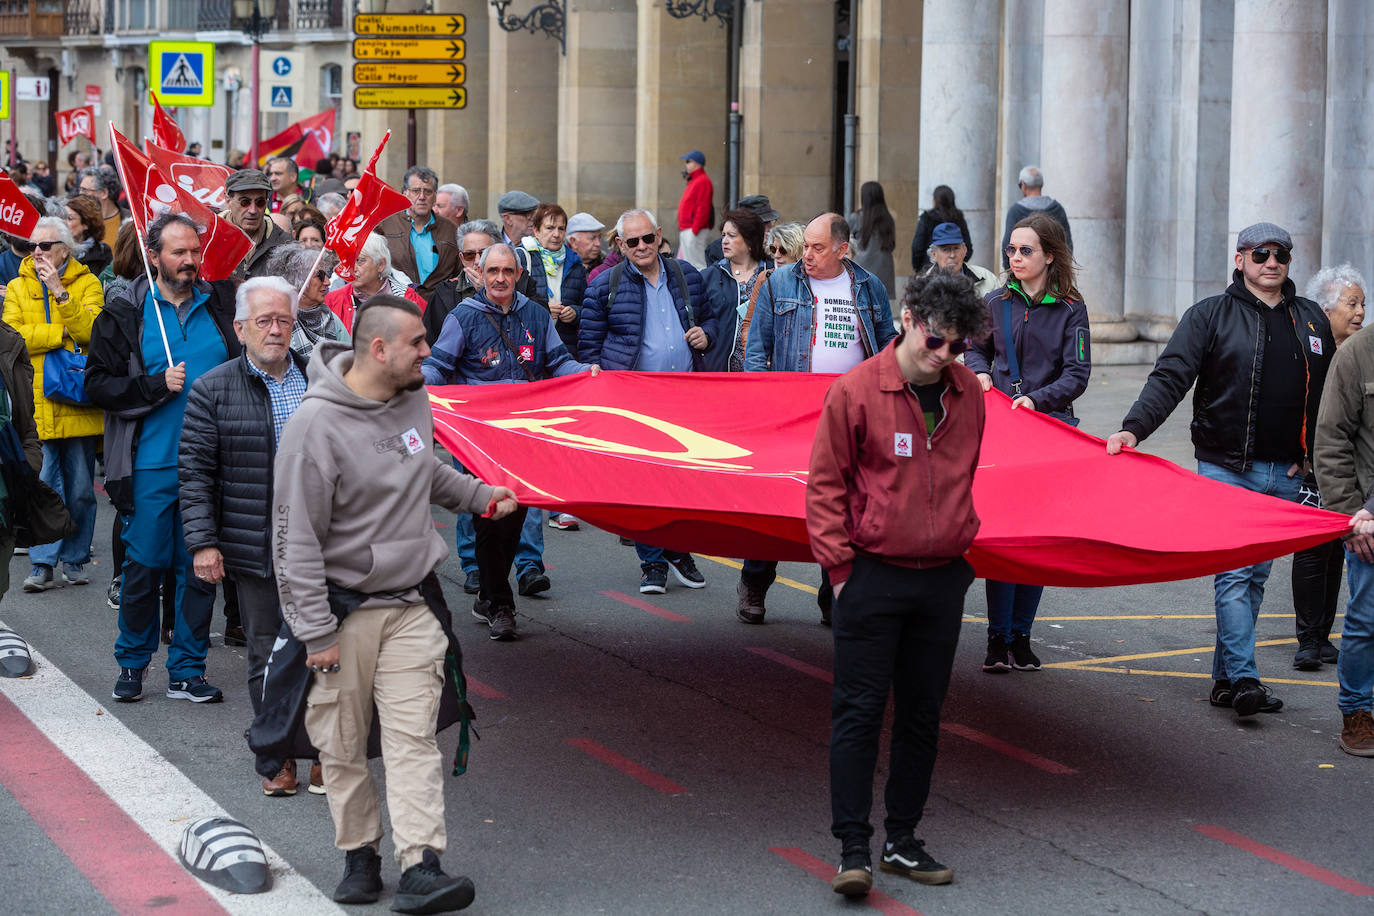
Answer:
x=53 y=303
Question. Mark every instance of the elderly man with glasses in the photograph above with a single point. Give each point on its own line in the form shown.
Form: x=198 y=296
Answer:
x=249 y=191
x=423 y=245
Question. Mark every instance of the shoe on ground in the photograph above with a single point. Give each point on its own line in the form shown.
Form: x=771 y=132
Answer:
x=112 y=593
x=907 y=856
x=1329 y=653
x=1221 y=694
x=685 y=570
x=167 y=636
x=129 y=687
x=750 y=609
x=362 y=878
x=472 y=583
x=1250 y=696
x=564 y=522
x=1357 y=737
x=41 y=579
x=1022 y=658
x=424 y=888
x=21 y=551
x=855 y=876
x=1307 y=658
x=532 y=581
x=316 y=778
x=626 y=542
x=998 y=660
x=74 y=574
x=196 y=689
x=653 y=579
x=502 y=624
x=234 y=636
x=283 y=784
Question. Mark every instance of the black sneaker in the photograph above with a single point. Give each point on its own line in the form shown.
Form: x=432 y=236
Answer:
x=129 y=687
x=362 y=877
x=908 y=856
x=532 y=581
x=112 y=594
x=685 y=569
x=234 y=636
x=1250 y=697
x=997 y=661
x=1022 y=658
x=424 y=888
x=195 y=689
x=1221 y=694
x=502 y=623
x=1307 y=658
x=855 y=877
x=1329 y=653
x=472 y=583
x=654 y=580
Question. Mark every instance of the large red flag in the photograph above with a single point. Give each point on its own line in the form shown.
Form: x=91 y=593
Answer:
x=661 y=458
x=307 y=141
x=152 y=193
x=202 y=179
x=76 y=122
x=17 y=215
x=372 y=201
x=166 y=133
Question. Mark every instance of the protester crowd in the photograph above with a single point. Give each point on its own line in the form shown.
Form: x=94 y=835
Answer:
x=225 y=413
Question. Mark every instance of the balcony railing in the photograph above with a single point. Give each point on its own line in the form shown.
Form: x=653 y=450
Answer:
x=215 y=15
x=31 y=18
x=319 y=14
x=82 y=17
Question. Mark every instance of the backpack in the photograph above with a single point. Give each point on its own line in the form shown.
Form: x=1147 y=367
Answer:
x=674 y=268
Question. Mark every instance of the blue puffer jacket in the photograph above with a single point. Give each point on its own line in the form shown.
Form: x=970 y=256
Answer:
x=784 y=318
x=613 y=340
x=572 y=289
x=470 y=351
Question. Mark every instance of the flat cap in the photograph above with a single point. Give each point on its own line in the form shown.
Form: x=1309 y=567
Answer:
x=584 y=222
x=516 y=202
x=1260 y=233
x=247 y=180
x=759 y=204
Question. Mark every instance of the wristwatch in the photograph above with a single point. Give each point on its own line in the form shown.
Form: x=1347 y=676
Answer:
x=63 y=297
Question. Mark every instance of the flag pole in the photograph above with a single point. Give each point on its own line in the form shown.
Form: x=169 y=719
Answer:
x=313 y=267
x=143 y=249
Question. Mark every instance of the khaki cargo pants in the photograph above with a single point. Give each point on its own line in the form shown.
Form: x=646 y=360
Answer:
x=395 y=657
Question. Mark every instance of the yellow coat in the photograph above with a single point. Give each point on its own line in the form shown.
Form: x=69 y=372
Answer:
x=24 y=312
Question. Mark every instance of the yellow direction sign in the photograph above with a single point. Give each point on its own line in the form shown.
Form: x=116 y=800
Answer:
x=432 y=24
x=409 y=48
x=408 y=97
x=409 y=74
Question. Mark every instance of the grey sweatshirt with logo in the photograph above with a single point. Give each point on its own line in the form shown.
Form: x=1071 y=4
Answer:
x=354 y=480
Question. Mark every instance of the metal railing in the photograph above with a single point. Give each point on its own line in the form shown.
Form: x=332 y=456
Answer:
x=82 y=17
x=319 y=14
x=215 y=15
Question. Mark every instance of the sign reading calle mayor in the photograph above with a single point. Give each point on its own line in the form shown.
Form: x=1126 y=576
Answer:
x=409 y=97
x=418 y=24
x=408 y=74
x=413 y=64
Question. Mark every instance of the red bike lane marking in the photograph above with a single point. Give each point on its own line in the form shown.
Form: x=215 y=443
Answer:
x=646 y=606
x=1293 y=863
x=819 y=868
x=107 y=846
x=485 y=691
x=627 y=766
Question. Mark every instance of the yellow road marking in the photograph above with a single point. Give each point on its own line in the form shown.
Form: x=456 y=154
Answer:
x=781 y=580
x=1191 y=674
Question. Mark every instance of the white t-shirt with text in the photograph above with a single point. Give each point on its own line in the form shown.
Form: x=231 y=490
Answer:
x=835 y=345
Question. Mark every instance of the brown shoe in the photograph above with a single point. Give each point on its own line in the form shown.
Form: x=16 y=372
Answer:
x=1358 y=735
x=751 y=609
x=283 y=784
x=316 y=778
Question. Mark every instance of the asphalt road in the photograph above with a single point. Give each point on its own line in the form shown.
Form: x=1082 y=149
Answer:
x=671 y=760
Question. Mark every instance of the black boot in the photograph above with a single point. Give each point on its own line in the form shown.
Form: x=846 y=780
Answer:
x=362 y=880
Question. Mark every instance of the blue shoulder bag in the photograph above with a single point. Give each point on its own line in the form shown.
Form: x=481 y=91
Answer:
x=64 y=371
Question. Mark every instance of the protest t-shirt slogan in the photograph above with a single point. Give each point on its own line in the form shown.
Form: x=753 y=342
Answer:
x=835 y=345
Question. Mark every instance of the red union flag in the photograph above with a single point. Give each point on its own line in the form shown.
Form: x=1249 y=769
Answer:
x=152 y=193
x=166 y=133
x=76 y=122
x=372 y=201
x=307 y=141
x=17 y=215
x=202 y=179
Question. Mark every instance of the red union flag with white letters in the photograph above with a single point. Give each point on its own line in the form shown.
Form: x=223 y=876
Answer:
x=202 y=179
x=17 y=215
x=372 y=201
x=76 y=122
x=152 y=193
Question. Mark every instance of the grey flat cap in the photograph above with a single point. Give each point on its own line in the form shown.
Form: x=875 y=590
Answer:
x=584 y=222
x=1260 y=233
x=760 y=205
x=516 y=202
x=247 y=180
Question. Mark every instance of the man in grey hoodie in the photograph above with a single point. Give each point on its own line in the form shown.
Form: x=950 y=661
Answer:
x=1033 y=200
x=352 y=538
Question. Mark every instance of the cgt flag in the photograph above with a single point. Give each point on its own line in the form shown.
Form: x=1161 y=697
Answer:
x=76 y=122
x=202 y=179
x=166 y=133
x=152 y=193
x=17 y=215
x=307 y=141
x=372 y=201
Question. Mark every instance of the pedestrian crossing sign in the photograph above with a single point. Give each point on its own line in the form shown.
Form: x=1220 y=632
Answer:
x=281 y=96
x=182 y=73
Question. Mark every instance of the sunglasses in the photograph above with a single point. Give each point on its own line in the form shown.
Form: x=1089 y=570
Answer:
x=1011 y=251
x=322 y=275
x=777 y=249
x=259 y=202
x=935 y=342
x=471 y=255
x=1261 y=255
x=45 y=246
x=636 y=241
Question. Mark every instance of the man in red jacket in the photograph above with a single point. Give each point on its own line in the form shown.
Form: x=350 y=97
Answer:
x=889 y=508
x=694 y=210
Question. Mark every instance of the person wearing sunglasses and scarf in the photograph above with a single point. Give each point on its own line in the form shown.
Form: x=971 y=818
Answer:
x=1039 y=355
x=1258 y=354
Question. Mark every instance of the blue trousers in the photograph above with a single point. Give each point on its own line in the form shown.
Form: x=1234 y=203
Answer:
x=1011 y=608
x=69 y=468
x=1355 y=668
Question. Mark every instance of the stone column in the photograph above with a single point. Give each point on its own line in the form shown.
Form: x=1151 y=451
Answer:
x=522 y=115
x=1348 y=230
x=1083 y=145
x=1278 y=127
x=959 y=86
x=596 y=131
x=1019 y=118
x=456 y=141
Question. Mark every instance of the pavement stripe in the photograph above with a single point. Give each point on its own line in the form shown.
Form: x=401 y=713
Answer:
x=485 y=691
x=774 y=655
x=1169 y=654
x=646 y=606
x=780 y=580
x=627 y=766
x=150 y=790
x=1301 y=866
x=819 y=868
x=1199 y=675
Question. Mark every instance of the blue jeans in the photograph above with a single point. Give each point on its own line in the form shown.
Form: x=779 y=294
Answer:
x=1239 y=592
x=528 y=555
x=69 y=468
x=1355 y=668
x=1011 y=608
x=650 y=555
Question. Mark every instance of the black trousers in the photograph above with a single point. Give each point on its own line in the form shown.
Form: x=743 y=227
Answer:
x=895 y=631
x=495 y=546
x=1316 y=588
x=260 y=611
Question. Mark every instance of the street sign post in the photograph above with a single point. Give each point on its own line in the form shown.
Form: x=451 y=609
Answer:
x=409 y=97
x=408 y=74
x=409 y=48
x=182 y=73
x=281 y=81
x=417 y=24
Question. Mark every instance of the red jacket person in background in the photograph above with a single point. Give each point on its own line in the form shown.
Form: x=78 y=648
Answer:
x=889 y=508
x=694 y=215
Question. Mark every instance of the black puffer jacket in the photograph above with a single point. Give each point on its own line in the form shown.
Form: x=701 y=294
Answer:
x=224 y=466
x=1219 y=344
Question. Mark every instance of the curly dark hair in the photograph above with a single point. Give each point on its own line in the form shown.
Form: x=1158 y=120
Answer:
x=944 y=302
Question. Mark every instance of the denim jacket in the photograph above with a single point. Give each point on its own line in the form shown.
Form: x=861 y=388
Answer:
x=784 y=319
